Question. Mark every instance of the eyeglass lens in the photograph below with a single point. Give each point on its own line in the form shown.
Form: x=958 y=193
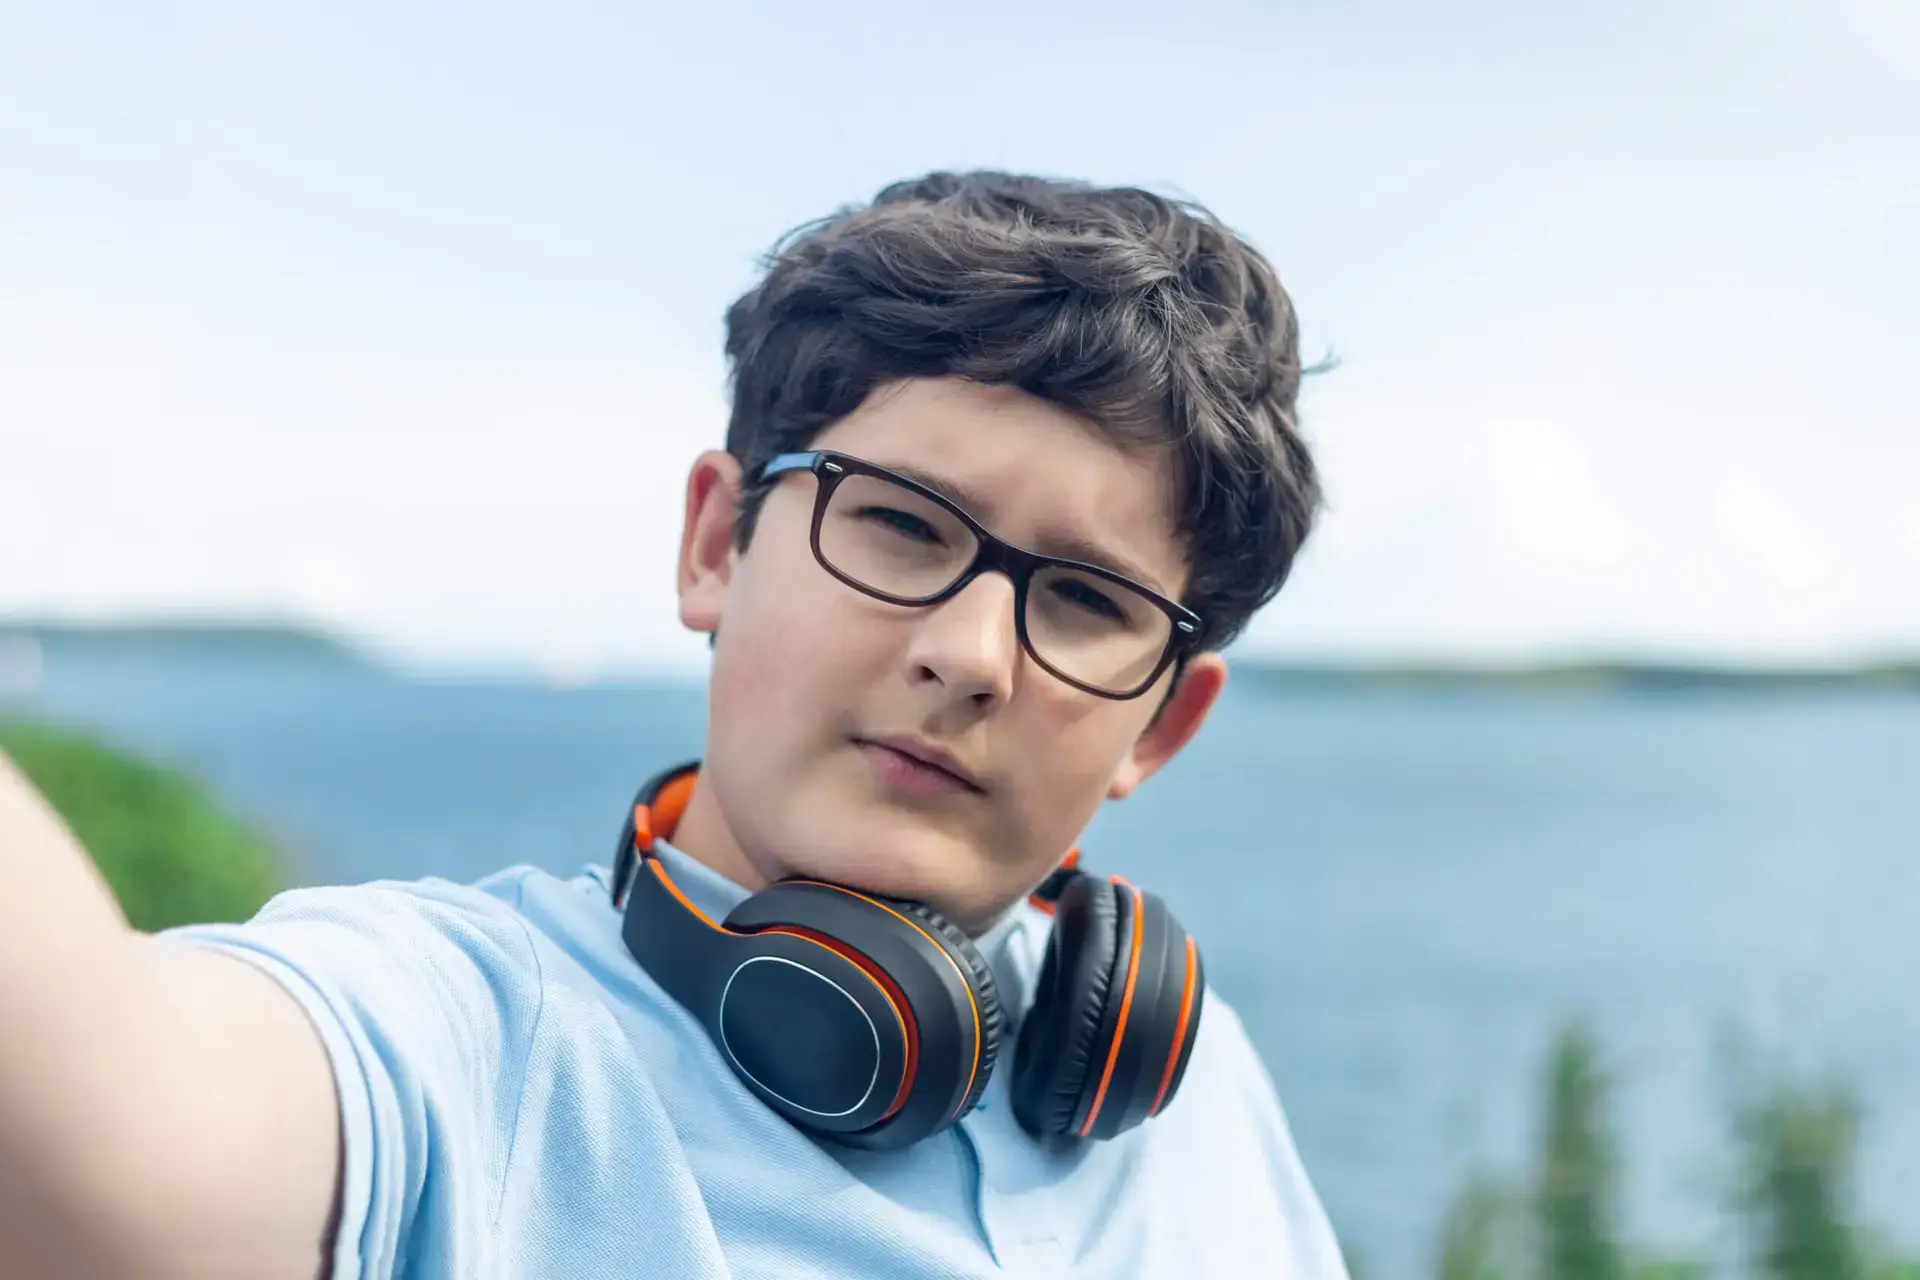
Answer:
x=898 y=544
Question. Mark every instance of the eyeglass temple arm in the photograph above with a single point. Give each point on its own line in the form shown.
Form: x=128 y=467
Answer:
x=781 y=463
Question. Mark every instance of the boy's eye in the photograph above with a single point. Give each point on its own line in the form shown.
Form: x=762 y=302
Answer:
x=1082 y=595
x=903 y=522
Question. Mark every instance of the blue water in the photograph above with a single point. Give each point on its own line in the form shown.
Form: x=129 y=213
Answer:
x=1404 y=894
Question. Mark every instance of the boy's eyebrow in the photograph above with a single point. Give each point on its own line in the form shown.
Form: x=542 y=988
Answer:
x=1070 y=545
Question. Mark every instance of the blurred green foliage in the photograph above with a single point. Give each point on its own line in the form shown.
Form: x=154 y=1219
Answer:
x=1793 y=1144
x=1796 y=1146
x=1667 y=1269
x=1471 y=1237
x=166 y=849
x=1575 y=1187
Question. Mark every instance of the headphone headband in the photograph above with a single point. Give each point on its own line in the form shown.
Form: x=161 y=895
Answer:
x=656 y=809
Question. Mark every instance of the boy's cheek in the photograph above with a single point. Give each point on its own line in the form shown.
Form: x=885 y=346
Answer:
x=775 y=663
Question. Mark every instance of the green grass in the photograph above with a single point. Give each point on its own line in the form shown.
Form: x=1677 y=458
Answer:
x=170 y=854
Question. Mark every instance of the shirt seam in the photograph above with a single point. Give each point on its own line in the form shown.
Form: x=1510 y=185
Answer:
x=970 y=1153
x=533 y=1034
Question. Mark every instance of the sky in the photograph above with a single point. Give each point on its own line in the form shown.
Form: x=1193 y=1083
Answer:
x=405 y=319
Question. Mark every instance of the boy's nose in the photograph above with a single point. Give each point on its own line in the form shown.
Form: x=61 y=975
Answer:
x=969 y=644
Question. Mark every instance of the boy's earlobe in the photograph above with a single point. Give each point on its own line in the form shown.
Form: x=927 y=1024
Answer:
x=706 y=539
x=1197 y=688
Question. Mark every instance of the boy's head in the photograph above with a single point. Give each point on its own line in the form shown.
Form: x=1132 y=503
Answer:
x=1097 y=374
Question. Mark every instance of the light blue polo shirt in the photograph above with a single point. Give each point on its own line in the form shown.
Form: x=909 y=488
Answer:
x=520 y=1100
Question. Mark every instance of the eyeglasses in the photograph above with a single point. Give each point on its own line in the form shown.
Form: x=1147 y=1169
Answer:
x=896 y=540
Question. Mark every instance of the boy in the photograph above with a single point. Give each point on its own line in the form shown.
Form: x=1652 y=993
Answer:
x=909 y=717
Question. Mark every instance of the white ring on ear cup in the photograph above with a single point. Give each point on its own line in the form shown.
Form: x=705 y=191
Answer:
x=720 y=1024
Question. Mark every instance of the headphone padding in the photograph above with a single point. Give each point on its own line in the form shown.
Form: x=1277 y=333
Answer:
x=985 y=989
x=1060 y=1035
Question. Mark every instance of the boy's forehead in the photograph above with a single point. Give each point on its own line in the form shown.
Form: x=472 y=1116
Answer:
x=1030 y=470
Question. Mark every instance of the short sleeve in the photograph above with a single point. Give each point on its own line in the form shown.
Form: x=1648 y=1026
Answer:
x=426 y=996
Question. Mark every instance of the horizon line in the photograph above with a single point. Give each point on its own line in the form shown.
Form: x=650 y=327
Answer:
x=1329 y=661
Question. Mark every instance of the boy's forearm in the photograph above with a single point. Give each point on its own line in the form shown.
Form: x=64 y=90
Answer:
x=67 y=973
x=33 y=838
x=61 y=931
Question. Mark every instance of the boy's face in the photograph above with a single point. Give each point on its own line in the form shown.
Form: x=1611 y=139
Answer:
x=812 y=678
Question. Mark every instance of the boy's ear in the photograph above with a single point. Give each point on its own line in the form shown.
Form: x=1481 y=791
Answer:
x=706 y=539
x=1179 y=718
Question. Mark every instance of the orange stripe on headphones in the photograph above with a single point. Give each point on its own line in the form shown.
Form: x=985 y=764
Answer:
x=1179 y=1034
x=668 y=804
x=666 y=881
x=1126 y=1005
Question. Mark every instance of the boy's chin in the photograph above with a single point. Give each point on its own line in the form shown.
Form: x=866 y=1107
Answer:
x=882 y=877
x=898 y=877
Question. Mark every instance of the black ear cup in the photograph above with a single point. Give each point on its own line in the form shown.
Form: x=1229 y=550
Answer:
x=1149 y=1047
x=1114 y=1018
x=1059 y=1034
x=930 y=973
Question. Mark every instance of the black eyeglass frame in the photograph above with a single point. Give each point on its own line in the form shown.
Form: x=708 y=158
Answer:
x=995 y=554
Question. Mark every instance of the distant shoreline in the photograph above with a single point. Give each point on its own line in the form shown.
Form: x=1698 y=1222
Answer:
x=156 y=636
x=162 y=637
x=1590 y=676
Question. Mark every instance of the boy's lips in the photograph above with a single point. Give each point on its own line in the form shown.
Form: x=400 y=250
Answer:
x=918 y=764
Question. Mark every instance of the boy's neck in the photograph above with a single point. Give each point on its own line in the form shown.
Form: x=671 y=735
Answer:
x=703 y=835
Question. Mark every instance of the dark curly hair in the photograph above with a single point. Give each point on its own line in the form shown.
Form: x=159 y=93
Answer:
x=1140 y=313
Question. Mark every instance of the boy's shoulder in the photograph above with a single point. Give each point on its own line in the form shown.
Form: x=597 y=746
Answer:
x=498 y=916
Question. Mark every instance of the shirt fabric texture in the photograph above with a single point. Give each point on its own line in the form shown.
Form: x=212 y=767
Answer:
x=519 y=1099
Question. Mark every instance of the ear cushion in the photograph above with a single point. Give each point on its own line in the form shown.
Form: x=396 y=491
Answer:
x=986 y=991
x=1060 y=1036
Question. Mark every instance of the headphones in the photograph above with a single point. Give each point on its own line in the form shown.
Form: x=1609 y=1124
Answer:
x=874 y=1023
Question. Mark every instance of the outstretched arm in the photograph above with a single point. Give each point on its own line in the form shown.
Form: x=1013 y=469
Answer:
x=164 y=1111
